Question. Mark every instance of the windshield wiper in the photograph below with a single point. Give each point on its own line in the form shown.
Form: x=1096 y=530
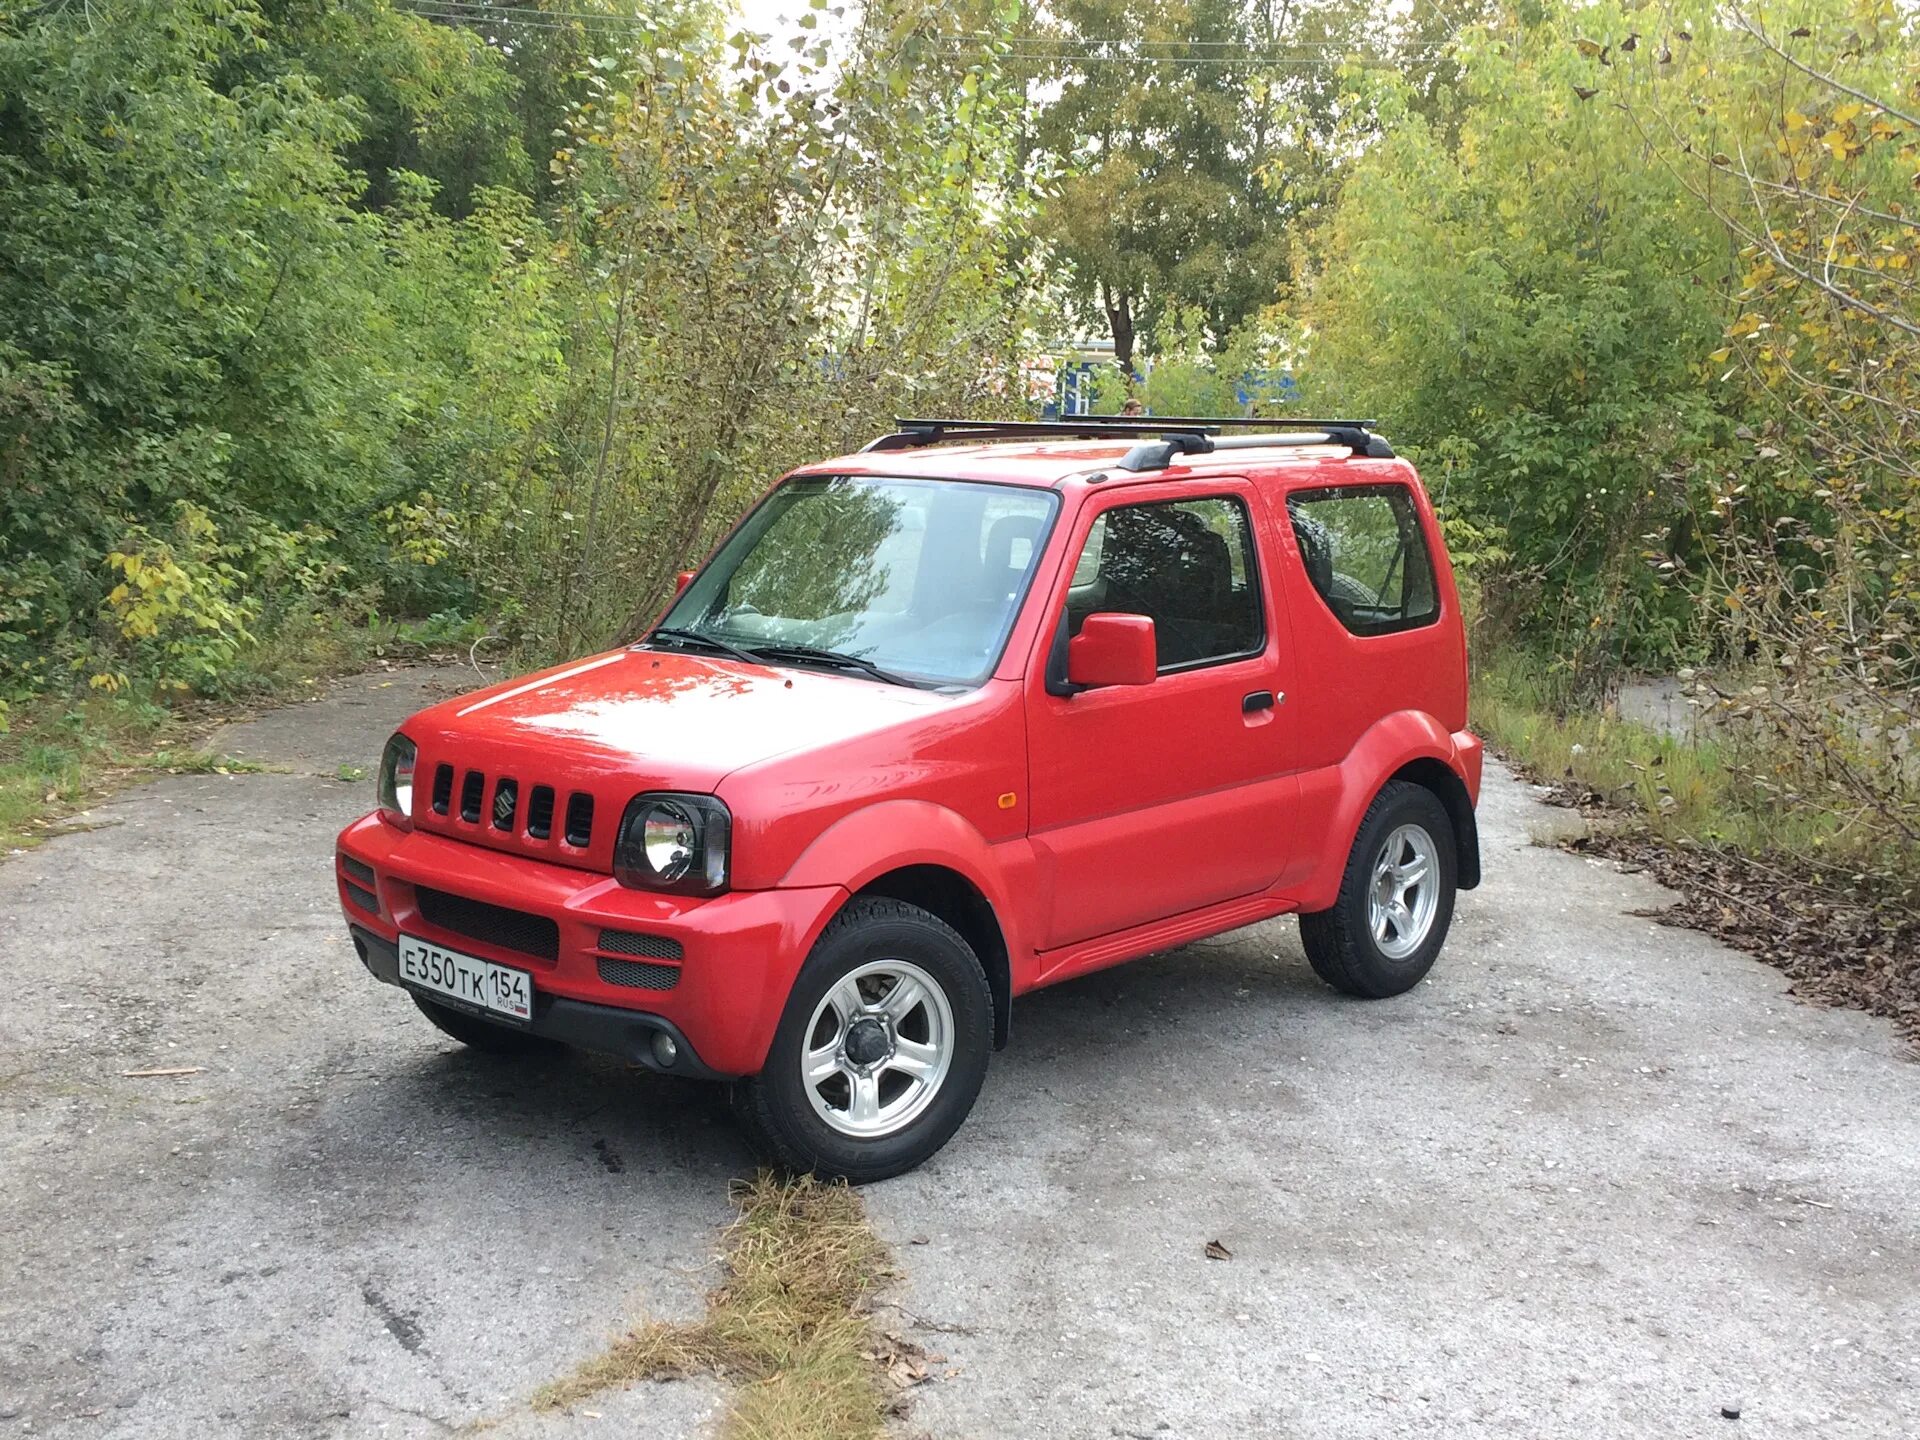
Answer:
x=836 y=657
x=697 y=637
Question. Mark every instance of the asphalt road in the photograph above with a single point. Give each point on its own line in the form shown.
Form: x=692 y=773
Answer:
x=1597 y=1177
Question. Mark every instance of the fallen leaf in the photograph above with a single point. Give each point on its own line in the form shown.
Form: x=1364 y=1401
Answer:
x=1217 y=1251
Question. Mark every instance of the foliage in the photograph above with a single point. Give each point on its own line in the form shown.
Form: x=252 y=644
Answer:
x=788 y=251
x=208 y=355
x=314 y=315
x=1526 y=302
x=288 y=321
x=1795 y=130
x=1637 y=291
x=1183 y=137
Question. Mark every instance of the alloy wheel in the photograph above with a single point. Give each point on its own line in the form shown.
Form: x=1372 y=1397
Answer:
x=878 y=1047
x=1404 y=892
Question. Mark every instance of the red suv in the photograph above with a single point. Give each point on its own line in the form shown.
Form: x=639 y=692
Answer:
x=984 y=707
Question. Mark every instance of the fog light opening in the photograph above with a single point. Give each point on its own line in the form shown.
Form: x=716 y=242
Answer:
x=665 y=1052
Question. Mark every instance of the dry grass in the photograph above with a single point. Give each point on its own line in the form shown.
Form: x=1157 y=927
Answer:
x=789 y=1325
x=1686 y=790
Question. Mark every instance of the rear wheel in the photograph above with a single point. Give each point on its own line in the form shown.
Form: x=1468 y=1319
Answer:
x=478 y=1034
x=881 y=1050
x=1396 y=899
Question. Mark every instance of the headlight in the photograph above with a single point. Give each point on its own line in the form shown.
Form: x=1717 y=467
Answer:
x=396 y=778
x=674 y=842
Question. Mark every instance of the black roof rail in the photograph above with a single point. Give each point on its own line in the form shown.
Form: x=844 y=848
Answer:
x=1162 y=436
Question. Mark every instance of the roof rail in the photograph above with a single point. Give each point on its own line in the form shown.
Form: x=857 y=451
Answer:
x=1162 y=437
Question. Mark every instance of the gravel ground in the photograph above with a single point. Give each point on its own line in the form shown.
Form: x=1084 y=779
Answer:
x=1597 y=1177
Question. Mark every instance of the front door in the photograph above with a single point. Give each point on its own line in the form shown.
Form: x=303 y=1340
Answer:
x=1151 y=800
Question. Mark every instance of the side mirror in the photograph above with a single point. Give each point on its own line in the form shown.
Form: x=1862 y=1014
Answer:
x=1113 y=650
x=682 y=580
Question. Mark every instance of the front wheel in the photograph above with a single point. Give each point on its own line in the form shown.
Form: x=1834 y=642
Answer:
x=1396 y=899
x=881 y=1049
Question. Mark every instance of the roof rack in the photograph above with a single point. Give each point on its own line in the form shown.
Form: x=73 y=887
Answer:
x=1161 y=437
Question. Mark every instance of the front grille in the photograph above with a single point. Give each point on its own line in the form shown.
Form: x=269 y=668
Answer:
x=359 y=870
x=637 y=975
x=633 y=942
x=363 y=897
x=503 y=804
x=579 y=819
x=533 y=935
x=540 y=812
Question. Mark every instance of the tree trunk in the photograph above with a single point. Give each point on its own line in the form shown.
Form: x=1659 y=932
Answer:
x=1119 y=307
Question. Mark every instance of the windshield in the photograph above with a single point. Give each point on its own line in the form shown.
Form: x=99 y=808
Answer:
x=921 y=578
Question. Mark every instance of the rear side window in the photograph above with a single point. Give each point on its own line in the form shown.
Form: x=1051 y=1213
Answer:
x=1367 y=556
x=1188 y=564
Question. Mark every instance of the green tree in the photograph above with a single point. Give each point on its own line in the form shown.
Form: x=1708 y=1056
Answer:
x=1527 y=303
x=1184 y=137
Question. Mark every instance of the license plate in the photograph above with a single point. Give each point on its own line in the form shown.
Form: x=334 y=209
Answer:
x=480 y=984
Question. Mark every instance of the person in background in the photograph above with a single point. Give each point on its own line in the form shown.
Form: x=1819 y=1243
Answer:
x=1133 y=409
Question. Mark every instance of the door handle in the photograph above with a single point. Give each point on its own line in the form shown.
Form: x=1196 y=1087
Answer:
x=1258 y=700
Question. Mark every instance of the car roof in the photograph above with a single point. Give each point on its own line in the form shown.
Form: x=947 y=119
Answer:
x=1051 y=464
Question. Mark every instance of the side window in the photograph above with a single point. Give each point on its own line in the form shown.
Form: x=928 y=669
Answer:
x=1366 y=555
x=1188 y=564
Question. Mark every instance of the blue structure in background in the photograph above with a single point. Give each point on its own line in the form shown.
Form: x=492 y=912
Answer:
x=1075 y=393
x=1271 y=387
x=1074 y=389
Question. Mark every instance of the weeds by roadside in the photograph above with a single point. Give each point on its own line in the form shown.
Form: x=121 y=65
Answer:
x=61 y=753
x=57 y=757
x=1694 y=787
x=790 y=1325
x=1794 y=886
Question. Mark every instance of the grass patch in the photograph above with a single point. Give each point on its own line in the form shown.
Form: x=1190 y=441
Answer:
x=57 y=757
x=61 y=753
x=789 y=1324
x=1685 y=788
x=1816 y=892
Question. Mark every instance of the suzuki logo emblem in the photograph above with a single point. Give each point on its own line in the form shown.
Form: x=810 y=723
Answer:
x=503 y=808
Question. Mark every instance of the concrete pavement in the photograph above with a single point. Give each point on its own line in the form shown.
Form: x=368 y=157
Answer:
x=1596 y=1177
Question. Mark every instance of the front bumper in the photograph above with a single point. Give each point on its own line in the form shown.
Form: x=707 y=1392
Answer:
x=738 y=952
x=606 y=1029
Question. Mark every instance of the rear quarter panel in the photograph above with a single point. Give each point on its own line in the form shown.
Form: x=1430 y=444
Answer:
x=1347 y=682
x=1365 y=705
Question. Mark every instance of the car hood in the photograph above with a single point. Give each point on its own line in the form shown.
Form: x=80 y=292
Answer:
x=675 y=720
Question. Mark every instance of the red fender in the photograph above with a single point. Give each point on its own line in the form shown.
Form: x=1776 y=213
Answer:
x=858 y=848
x=1333 y=801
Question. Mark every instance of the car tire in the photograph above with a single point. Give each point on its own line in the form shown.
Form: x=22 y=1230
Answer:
x=483 y=1035
x=1364 y=945
x=894 y=1070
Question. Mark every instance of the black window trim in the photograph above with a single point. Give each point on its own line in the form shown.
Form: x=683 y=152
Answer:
x=1057 y=682
x=1387 y=489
